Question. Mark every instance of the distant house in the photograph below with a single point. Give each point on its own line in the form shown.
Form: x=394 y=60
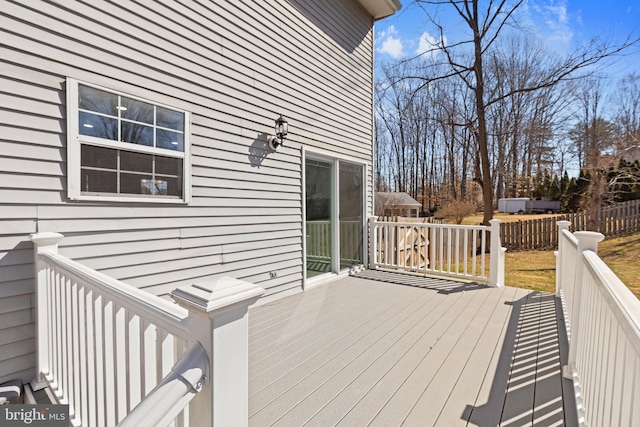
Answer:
x=397 y=204
x=141 y=130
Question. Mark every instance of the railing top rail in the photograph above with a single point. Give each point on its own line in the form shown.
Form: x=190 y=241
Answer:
x=569 y=236
x=626 y=306
x=434 y=225
x=156 y=310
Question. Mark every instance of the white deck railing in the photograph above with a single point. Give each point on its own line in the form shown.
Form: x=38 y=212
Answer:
x=566 y=261
x=442 y=249
x=603 y=326
x=319 y=245
x=103 y=345
x=318 y=242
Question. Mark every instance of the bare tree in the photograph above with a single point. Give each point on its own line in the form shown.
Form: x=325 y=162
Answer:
x=594 y=136
x=627 y=116
x=466 y=60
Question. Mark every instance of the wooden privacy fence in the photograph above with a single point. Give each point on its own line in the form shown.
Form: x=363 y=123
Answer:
x=542 y=233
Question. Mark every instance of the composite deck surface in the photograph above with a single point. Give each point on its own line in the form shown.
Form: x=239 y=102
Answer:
x=390 y=349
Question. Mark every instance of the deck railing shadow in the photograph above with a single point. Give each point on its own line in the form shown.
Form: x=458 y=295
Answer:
x=441 y=285
x=528 y=382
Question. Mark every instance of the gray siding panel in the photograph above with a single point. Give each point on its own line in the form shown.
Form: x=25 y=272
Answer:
x=235 y=67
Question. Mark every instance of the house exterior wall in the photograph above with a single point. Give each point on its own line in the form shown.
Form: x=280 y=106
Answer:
x=235 y=65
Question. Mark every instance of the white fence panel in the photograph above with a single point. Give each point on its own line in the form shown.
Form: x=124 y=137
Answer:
x=103 y=344
x=443 y=249
x=604 y=345
x=116 y=354
x=608 y=349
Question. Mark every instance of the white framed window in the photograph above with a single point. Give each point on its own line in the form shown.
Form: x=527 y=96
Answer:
x=125 y=148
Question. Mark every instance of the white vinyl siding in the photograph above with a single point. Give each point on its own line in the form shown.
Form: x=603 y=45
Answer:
x=234 y=66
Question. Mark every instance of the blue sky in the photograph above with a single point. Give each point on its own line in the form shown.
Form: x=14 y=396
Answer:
x=559 y=24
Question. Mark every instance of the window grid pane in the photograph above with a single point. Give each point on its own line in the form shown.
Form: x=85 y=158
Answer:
x=132 y=174
x=106 y=115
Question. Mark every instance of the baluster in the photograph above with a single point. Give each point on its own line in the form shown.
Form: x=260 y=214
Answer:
x=101 y=363
x=77 y=343
x=90 y=355
x=109 y=362
x=134 y=363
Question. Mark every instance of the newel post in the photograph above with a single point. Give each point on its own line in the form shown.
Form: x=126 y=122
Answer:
x=218 y=319
x=560 y=254
x=496 y=273
x=587 y=241
x=42 y=243
x=373 y=241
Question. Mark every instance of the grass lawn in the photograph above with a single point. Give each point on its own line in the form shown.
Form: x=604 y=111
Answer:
x=536 y=269
x=504 y=217
x=622 y=255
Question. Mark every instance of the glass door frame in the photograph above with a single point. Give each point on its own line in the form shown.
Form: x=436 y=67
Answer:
x=334 y=159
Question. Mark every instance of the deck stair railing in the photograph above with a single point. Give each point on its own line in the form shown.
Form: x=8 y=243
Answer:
x=603 y=326
x=117 y=355
x=451 y=250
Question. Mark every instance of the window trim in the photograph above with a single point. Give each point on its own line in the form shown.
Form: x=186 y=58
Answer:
x=75 y=140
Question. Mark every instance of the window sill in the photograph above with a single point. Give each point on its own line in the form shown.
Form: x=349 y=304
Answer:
x=130 y=199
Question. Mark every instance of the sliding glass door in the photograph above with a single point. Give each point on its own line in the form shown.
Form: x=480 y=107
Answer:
x=351 y=193
x=319 y=218
x=334 y=209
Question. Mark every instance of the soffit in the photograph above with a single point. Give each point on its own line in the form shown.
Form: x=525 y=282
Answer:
x=381 y=8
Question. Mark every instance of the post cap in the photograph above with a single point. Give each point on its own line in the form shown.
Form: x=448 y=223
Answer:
x=217 y=294
x=588 y=240
x=46 y=241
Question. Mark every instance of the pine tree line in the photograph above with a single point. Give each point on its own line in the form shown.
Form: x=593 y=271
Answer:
x=623 y=185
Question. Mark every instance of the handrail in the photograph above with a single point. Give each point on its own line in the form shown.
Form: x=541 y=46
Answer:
x=163 y=404
x=570 y=238
x=565 y=271
x=104 y=346
x=437 y=225
x=165 y=314
x=625 y=306
x=604 y=351
x=604 y=333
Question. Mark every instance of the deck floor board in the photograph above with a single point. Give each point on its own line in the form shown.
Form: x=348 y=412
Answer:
x=478 y=364
x=292 y=368
x=390 y=349
x=414 y=337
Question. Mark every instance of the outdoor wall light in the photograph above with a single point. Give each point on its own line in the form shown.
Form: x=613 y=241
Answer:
x=281 y=130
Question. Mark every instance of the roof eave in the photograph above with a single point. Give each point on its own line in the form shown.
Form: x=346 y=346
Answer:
x=381 y=8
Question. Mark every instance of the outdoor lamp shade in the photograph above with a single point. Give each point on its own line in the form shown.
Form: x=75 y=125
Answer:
x=282 y=128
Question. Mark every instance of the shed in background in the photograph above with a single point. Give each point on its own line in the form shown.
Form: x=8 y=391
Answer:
x=397 y=203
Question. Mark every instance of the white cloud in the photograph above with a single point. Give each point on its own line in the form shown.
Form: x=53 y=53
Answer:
x=552 y=21
x=429 y=45
x=390 y=43
x=557 y=21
